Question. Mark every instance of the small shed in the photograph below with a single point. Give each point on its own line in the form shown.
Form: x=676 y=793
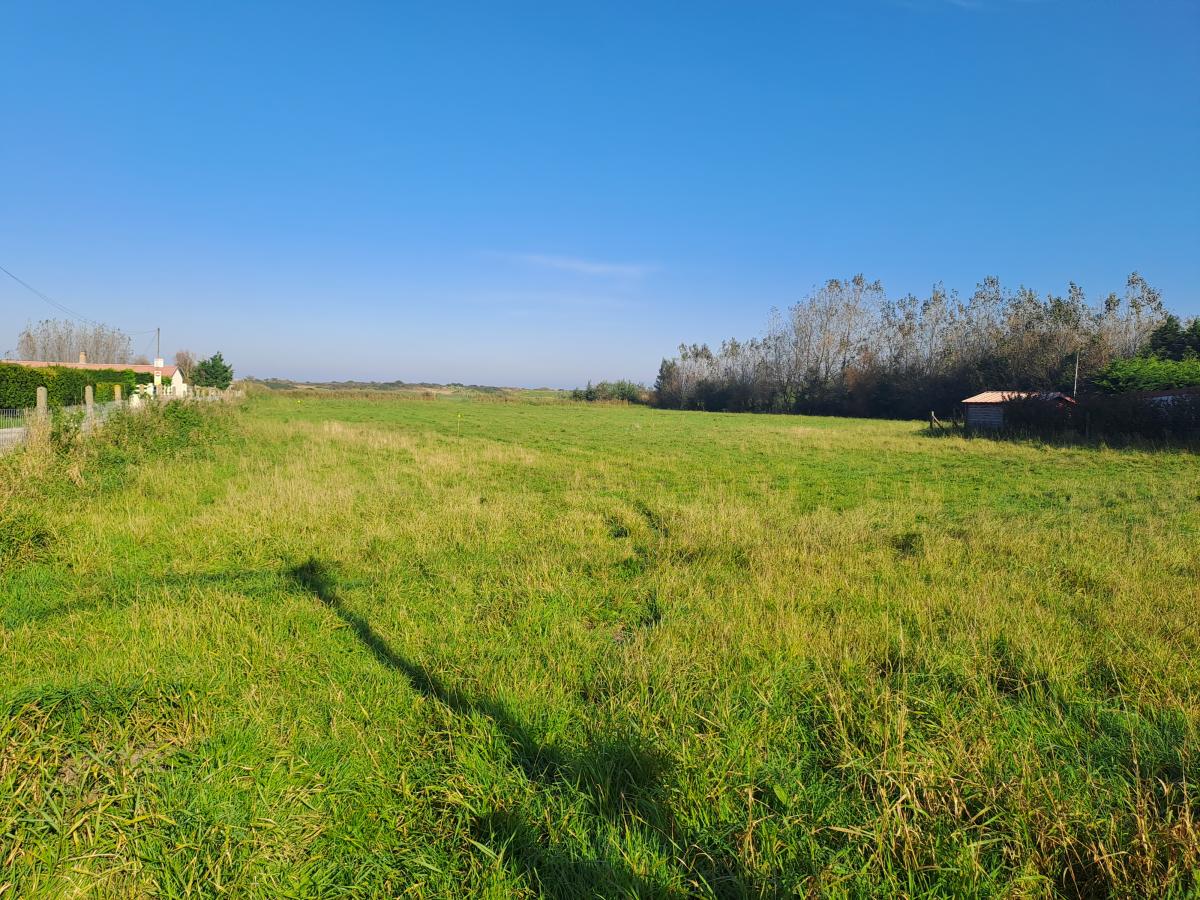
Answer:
x=985 y=412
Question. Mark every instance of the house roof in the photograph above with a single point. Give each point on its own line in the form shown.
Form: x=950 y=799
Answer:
x=167 y=371
x=1005 y=396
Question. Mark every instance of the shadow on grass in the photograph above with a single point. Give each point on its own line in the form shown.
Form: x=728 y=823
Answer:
x=621 y=774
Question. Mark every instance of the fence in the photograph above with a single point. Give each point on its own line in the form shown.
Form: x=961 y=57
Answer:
x=13 y=427
x=15 y=423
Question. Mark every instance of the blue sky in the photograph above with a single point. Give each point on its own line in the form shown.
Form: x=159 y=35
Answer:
x=543 y=193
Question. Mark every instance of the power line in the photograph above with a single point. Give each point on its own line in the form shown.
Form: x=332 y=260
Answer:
x=64 y=309
x=146 y=349
x=29 y=287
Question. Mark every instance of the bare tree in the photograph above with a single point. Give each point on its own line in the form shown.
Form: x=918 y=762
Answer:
x=61 y=340
x=846 y=348
x=185 y=360
x=1126 y=323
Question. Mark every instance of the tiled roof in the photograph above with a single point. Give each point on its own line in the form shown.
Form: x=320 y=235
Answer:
x=167 y=371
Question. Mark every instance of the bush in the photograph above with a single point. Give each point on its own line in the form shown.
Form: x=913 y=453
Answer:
x=626 y=391
x=1147 y=373
x=66 y=430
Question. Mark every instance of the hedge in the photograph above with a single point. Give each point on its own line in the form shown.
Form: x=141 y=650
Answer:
x=17 y=385
x=64 y=386
x=1106 y=416
x=1147 y=373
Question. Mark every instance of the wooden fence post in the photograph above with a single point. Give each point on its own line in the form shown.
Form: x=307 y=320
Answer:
x=43 y=403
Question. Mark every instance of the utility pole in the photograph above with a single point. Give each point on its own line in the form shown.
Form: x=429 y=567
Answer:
x=158 y=361
x=1075 y=389
x=158 y=349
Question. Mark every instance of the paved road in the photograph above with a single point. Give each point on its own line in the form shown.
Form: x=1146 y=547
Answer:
x=11 y=437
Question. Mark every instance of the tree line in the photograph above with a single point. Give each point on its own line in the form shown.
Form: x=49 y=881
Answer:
x=62 y=340
x=848 y=349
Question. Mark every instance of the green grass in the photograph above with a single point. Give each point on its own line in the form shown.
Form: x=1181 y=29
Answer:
x=368 y=647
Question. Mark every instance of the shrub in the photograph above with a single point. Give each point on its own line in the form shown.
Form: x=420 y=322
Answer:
x=627 y=391
x=1147 y=373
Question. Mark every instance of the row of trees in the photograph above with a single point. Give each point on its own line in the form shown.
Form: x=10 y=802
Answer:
x=62 y=340
x=847 y=348
x=1175 y=340
x=608 y=391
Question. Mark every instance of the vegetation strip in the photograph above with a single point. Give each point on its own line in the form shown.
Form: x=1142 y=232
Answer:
x=363 y=645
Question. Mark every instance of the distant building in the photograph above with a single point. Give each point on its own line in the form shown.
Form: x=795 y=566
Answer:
x=166 y=378
x=985 y=412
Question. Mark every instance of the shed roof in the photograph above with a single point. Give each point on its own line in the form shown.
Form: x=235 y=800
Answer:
x=1005 y=396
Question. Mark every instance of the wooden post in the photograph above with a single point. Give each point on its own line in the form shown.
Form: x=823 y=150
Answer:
x=42 y=401
x=116 y=393
x=89 y=399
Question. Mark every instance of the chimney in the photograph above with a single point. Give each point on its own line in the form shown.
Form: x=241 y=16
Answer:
x=83 y=357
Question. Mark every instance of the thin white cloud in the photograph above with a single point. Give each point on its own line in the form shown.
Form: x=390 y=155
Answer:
x=579 y=266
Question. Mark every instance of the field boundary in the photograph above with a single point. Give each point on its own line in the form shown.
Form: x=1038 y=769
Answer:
x=16 y=425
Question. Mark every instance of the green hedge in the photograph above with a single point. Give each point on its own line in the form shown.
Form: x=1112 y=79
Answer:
x=1147 y=373
x=64 y=386
x=17 y=385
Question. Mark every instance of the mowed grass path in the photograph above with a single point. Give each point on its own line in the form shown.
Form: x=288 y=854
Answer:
x=375 y=647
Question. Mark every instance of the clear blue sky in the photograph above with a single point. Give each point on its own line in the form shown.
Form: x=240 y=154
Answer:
x=527 y=194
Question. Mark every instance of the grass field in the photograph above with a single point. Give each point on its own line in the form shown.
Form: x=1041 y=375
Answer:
x=372 y=647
